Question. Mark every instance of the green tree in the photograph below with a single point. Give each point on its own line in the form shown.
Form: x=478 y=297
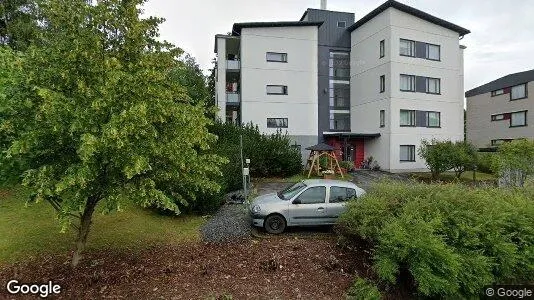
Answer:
x=189 y=75
x=438 y=156
x=515 y=161
x=97 y=120
x=463 y=157
x=211 y=81
x=18 y=23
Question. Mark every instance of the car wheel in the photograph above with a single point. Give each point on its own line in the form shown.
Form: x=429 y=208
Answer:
x=275 y=224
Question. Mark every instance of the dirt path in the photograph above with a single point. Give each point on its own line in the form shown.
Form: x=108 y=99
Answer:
x=275 y=268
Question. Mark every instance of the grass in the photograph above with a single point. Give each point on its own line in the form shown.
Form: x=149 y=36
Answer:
x=450 y=176
x=29 y=231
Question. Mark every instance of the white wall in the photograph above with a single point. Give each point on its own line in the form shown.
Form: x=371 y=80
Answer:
x=299 y=74
x=220 y=85
x=392 y=25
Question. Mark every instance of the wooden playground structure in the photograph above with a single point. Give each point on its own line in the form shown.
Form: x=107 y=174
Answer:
x=319 y=151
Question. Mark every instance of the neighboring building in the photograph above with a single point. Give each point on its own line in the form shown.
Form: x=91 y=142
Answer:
x=499 y=111
x=376 y=87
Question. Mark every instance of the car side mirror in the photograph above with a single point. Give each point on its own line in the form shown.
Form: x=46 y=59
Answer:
x=297 y=201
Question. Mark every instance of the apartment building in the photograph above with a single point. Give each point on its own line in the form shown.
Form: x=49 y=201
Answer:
x=499 y=111
x=373 y=87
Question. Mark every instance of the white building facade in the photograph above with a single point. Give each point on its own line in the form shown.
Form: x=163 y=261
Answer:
x=376 y=87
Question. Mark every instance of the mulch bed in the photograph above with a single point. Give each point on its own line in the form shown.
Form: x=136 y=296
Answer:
x=284 y=267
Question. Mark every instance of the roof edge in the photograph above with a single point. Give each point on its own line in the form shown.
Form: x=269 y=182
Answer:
x=236 y=29
x=412 y=11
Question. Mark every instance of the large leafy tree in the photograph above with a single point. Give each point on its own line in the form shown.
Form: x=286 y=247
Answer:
x=18 y=23
x=96 y=119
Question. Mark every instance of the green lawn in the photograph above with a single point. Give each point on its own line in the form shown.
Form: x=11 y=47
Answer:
x=27 y=231
x=450 y=176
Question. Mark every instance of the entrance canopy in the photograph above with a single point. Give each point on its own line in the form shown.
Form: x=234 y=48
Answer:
x=351 y=135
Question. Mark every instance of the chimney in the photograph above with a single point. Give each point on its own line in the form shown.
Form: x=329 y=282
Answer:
x=323 y=4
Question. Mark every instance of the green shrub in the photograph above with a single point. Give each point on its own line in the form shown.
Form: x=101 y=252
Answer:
x=484 y=162
x=441 y=156
x=451 y=238
x=270 y=155
x=363 y=289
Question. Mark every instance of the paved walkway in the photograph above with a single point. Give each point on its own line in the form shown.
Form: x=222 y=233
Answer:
x=365 y=178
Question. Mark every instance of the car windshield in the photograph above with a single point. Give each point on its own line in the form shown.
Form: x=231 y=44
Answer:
x=291 y=191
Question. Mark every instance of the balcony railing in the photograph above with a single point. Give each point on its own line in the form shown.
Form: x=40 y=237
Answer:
x=233 y=65
x=233 y=98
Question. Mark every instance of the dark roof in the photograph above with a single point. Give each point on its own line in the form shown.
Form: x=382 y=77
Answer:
x=321 y=147
x=409 y=10
x=352 y=134
x=503 y=82
x=236 y=29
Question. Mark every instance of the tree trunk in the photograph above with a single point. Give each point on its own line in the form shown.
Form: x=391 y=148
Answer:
x=83 y=230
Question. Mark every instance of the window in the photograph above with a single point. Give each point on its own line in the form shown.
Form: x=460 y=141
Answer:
x=291 y=191
x=341 y=194
x=433 y=52
x=382 y=83
x=407 y=153
x=339 y=121
x=433 y=85
x=277 y=123
x=433 y=119
x=407 y=48
x=382 y=118
x=339 y=65
x=407 y=83
x=407 y=117
x=341 y=24
x=276 y=57
x=276 y=90
x=518 y=92
x=518 y=119
x=500 y=142
x=382 y=48
x=498 y=117
x=313 y=195
x=497 y=92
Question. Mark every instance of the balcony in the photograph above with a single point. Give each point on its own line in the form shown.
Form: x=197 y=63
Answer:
x=233 y=65
x=233 y=98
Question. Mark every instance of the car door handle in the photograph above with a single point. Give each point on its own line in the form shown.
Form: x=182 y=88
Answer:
x=320 y=208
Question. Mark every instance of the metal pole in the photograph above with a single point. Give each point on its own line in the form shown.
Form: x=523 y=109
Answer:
x=243 y=167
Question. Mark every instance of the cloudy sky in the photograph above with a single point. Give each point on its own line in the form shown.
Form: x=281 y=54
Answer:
x=501 y=39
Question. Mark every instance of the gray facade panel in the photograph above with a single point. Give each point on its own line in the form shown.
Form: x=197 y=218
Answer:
x=420 y=84
x=420 y=118
x=420 y=49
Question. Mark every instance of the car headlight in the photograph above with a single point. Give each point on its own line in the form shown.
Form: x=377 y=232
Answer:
x=256 y=209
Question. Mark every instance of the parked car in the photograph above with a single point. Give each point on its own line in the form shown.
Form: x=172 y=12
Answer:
x=306 y=203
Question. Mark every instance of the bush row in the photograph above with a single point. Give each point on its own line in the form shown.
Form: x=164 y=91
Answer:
x=452 y=239
x=270 y=155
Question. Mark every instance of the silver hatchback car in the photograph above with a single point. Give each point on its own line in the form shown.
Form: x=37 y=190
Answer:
x=306 y=203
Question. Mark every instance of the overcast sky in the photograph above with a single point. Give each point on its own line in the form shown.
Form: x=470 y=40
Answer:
x=501 y=39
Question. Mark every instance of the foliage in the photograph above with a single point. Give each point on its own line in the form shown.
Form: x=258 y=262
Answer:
x=484 y=162
x=370 y=164
x=348 y=165
x=463 y=157
x=18 y=23
x=270 y=155
x=452 y=239
x=363 y=289
x=95 y=118
x=211 y=81
x=189 y=75
x=441 y=156
x=515 y=156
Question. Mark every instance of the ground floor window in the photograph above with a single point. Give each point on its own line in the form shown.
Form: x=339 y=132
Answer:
x=277 y=123
x=407 y=153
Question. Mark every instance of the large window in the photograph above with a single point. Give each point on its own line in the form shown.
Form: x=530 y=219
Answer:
x=277 y=123
x=407 y=83
x=433 y=119
x=407 y=117
x=276 y=90
x=433 y=85
x=382 y=83
x=382 y=118
x=518 y=92
x=407 y=153
x=341 y=194
x=340 y=121
x=339 y=65
x=382 y=48
x=518 y=119
x=313 y=195
x=433 y=52
x=276 y=57
x=407 y=48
